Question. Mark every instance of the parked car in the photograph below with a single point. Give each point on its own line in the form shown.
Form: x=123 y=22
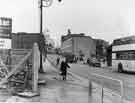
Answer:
x=94 y=62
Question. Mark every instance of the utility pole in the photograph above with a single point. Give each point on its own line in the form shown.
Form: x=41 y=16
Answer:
x=41 y=38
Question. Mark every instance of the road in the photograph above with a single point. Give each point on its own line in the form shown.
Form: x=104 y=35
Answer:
x=127 y=79
x=86 y=71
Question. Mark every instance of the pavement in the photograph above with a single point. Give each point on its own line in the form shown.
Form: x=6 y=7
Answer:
x=74 y=89
x=58 y=91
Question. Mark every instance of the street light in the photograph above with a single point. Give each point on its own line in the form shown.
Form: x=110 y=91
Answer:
x=47 y=3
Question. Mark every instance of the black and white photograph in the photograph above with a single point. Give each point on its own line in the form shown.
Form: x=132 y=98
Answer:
x=67 y=51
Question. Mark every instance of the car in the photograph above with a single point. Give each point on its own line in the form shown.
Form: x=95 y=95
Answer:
x=94 y=62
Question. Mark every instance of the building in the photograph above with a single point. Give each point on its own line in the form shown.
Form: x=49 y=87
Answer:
x=78 y=45
x=5 y=27
x=101 y=48
x=5 y=33
x=5 y=37
x=24 y=40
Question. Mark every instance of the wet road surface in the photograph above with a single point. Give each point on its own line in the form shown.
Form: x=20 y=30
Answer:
x=128 y=80
x=59 y=91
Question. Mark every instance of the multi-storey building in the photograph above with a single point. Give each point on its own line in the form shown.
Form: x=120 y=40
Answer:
x=78 y=44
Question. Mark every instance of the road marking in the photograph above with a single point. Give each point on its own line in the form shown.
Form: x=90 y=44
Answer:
x=106 y=77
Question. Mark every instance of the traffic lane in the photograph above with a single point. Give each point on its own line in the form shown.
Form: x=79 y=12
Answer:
x=128 y=80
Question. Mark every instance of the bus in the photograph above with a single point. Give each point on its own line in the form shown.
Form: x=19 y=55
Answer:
x=123 y=54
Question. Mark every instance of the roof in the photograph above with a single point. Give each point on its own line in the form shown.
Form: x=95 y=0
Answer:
x=65 y=37
x=124 y=40
x=24 y=33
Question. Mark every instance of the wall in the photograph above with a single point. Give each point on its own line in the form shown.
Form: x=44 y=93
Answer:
x=67 y=46
x=24 y=40
x=84 y=44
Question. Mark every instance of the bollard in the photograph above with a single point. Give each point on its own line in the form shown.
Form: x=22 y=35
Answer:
x=90 y=92
x=35 y=67
x=102 y=96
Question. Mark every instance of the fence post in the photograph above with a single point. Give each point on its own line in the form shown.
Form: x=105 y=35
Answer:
x=102 y=96
x=35 y=66
x=122 y=91
x=90 y=88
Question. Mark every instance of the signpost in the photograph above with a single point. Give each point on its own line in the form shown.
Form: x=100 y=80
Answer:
x=5 y=43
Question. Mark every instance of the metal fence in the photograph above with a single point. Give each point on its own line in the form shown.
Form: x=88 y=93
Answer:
x=104 y=89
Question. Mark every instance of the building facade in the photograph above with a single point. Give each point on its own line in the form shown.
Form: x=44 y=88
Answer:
x=24 y=40
x=101 y=48
x=78 y=44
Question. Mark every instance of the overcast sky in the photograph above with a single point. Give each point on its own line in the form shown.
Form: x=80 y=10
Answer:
x=106 y=19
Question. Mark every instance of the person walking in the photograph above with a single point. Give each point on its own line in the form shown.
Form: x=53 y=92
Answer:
x=58 y=60
x=64 y=66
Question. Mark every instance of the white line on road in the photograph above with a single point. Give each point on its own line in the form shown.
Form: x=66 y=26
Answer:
x=106 y=77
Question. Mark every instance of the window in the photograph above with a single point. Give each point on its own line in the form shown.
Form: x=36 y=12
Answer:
x=126 y=55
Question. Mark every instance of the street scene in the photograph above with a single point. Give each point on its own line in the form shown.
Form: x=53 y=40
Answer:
x=59 y=51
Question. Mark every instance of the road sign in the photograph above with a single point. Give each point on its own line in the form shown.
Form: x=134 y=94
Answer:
x=5 y=43
x=5 y=26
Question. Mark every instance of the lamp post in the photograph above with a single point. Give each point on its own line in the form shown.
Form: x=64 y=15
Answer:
x=44 y=3
x=42 y=46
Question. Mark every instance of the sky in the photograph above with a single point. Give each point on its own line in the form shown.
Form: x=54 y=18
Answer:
x=105 y=19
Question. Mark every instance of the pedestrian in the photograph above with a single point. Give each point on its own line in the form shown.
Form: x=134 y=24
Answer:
x=58 y=60
x=76 y=59
x=63 y=68
x=88 y=60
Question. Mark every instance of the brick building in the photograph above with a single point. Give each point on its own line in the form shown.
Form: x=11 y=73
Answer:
x=24 y=40
x=78 y=44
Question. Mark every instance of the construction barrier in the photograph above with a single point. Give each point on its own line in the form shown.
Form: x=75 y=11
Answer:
x=23 y=76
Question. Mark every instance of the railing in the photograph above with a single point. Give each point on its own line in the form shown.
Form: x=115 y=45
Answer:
x=103 y=89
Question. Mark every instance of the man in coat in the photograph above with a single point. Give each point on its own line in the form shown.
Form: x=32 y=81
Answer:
x=64 y=66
